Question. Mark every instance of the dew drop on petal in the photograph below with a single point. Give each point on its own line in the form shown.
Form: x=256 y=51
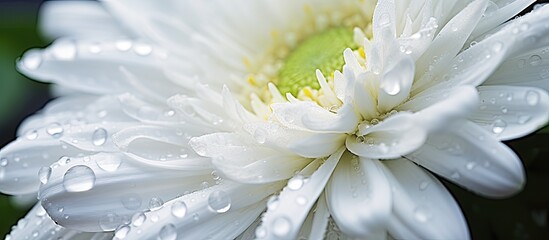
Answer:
x=532 y=98
x=535 y=60
x=110 y=221
x=109 y=163
x=260 y=232
x=281 y=226
x=3 y=162
x=79 y=178
x=31 y=134
x=423 y=185
x=155 y=203
x=131 y=201
x=64 y=50
x=99 y=137
x=179 y=209
x=421 y=214
x=301 y=200
x=122 y=232
x=498 y=126
x=168 y=232
x=138 y=219
x=296 y=182
x=142 y=49
x=44 y=174
x=471 y=165
x=391 y=88
x=219 y=201
x=123 y=45
x=55 y=130
x=260 y=135
x=272 y=203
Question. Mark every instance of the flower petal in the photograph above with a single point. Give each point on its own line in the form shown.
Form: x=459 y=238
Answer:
x=284 y=220
x=359 y=197
x=320 y=219
x=393 y=137
x=470 y=156
x=80 y=19
x=38 y=225
x=529 y=69
x=511 y=112
x=96 y=193
x=422 y=207
x=198 y=216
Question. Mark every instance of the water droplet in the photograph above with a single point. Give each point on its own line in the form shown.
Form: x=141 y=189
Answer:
x=35 y=234
x=272 y=203
x=504 y=110
x=421 y=214
x=131 y=201
x=281 y=226
x=44 y=174
x=392 y=88
x=260 y=232
x=109 y=163
x=532 y=98
x=522 y=119
x=32 y=59
x=123 y=45
x=196 y=217
x=79 y=178
x=110 y=221
x=296 y=182
x=155 y=217
x=95 y=48
x=122 y=232
x=168 y=232
x=31 y=134
x=301 y=200
x=535 y=60
x=423 y=185
x=179 y=209
x=55 y=130
x=498 y=126
x=497 y=46
x=3 y=162
x=142 y=49
x=471 y=165
x=374 y=121
x=155 y=203
x=64 y=50
x=219 y=201
x=455 y=175
x=138 y=219
x=99 y=137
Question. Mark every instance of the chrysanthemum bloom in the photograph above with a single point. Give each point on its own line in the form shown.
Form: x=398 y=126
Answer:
x=275 y=119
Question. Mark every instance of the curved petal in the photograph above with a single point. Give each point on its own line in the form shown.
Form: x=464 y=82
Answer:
x=80 y=19
x=511 y=112
x=284 y=218
x=470 y=156
x=97 y=193
x=221 y=211
x=422 y=207
x=393 y=137
x=359 y=197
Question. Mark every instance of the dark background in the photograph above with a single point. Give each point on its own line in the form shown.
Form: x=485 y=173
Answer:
x=521 y=217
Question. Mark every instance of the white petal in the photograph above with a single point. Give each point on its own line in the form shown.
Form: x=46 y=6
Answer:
x=306 y=115
x=422 y=207
x=395 y=84
x=448 y=43
x=78 y=19
x=38 y=225
x=101 y=67
x=22 y=159
x=239 y=158
x=470 y=156
x=529 y=69
x=295 y=201
x=393 y=137
x=474 y=65
x=202 y=219
x=96 y=193
x=359 y=197
x=320 y=219
x=496 y=17
x=511 y=112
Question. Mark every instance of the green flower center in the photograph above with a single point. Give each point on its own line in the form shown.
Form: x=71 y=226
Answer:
x=322 y=51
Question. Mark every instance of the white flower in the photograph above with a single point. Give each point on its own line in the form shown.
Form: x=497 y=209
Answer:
x=189 y=119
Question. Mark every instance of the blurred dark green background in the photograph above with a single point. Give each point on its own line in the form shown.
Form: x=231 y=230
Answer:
x=521 y=217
